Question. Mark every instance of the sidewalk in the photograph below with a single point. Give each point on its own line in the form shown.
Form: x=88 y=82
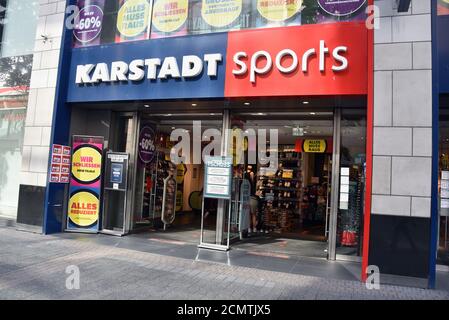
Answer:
x=33 y=266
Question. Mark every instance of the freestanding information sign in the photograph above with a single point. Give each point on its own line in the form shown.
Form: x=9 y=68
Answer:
x=217 y=185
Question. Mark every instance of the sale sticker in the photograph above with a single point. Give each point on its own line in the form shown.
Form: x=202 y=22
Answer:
x=278 y=10
x=88 y=24
x=170 y=15
x=83 y=208
x=221 y=13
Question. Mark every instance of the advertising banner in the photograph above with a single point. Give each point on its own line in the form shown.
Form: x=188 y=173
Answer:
x=275 y=10
x=442 y=44
x=85 y=184
x=328 y=59
x=133 y=20
x=147 y=145
x=88 y=23
x=443 y=7
x=341 y=7
x=221 y=13
x=169 y=18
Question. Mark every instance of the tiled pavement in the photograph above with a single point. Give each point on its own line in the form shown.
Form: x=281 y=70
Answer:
x=33 y=266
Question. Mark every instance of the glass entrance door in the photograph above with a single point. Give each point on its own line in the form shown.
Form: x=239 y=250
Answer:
x=117 y=204
x=348 y=184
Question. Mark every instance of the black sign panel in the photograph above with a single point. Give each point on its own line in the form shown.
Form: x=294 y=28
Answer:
x=116 y=171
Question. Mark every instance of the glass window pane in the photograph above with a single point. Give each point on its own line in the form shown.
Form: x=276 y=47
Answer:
x=352 y=183
x=20 y=26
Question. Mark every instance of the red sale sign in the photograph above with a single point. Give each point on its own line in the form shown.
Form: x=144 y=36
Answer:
x=329 y=59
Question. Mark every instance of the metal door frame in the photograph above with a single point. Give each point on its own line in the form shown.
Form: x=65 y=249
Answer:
x=129 y=195
x=335 y=186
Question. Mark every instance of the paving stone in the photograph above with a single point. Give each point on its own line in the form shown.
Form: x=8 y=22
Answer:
x=33 y=267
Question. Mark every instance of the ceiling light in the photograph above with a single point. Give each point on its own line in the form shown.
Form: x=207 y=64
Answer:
x=146 y=105
x=194 y=104
x=247 y=103
x=313 y=113
x=168 y=115
x=305 y=102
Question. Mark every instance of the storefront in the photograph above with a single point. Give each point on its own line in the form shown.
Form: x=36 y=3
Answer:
x=284 y=90
x=143 y=78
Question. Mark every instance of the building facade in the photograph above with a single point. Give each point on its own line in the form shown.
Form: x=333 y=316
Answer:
x=351 y=98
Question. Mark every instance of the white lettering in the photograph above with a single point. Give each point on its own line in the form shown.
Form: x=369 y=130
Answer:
x=136 y=72
x=281 y=55
x=255 y=69
x=82 y=73
x=101 y=73
x=152 y=65
x=338 y=57
x=323 y=51
x=212 y=63
x=119 y=69
x=192 y=66
x=305 y=59
x=241 y=64
x=169 y=68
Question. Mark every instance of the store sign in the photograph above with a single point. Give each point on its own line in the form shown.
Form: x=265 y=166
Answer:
x=218 y=177
x=85 y=184
x=168 y=68
x=325 y=59
x=341 y=7
x=147 y=146
x=60 y=164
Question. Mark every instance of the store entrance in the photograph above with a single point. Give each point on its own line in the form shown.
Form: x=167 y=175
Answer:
x=179 y=220
x=290 y=193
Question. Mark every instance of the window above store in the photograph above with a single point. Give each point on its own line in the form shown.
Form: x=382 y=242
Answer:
x=18 y=24
x=114 y=21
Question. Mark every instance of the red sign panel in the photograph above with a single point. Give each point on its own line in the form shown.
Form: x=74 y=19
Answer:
x=329 y=59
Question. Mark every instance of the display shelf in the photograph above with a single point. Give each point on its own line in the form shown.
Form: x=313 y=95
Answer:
x=279 y=211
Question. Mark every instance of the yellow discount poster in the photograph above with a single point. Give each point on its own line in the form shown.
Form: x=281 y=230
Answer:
x=86 y=164
x=132 y=19
x=170 y=15
x=221 y=13
x=83 y=208
x=314 y=146
x=278 y=10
